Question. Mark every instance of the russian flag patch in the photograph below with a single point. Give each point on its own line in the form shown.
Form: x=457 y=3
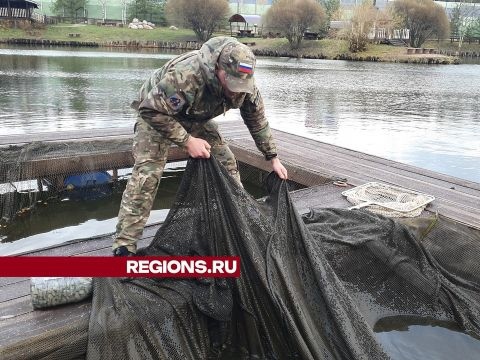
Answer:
x=245 y=68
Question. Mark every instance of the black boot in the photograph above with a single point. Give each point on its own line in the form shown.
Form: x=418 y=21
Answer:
x=122 y=251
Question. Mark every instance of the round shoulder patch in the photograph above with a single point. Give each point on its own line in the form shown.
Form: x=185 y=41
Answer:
x=175 y=101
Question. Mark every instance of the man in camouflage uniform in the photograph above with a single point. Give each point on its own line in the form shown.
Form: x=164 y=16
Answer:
x=177 y=105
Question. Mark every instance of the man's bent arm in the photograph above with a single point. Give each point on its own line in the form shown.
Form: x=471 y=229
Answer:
x=166 y=125
x=253 y=114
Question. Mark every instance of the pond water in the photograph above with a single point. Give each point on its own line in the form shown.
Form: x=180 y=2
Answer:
x=422 y=115
x=415 y=339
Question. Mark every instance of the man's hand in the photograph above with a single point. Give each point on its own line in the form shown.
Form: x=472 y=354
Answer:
x=279 y=168
x=198 y=148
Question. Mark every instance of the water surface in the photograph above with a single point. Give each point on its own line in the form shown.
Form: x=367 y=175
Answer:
x=404 y=338
x=423 y=115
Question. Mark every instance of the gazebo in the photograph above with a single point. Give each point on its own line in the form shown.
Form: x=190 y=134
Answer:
x=245 y=25
x=17 y=9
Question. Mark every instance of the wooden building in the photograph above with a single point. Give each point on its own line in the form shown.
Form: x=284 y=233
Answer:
x=17 y=9
x=245 y=25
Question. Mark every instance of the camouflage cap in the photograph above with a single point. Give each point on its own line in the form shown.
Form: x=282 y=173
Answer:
x=238 y=62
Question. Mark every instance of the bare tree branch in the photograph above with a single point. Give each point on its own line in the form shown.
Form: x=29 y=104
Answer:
x=294 y=17
x=423 y=18
x=202 y=16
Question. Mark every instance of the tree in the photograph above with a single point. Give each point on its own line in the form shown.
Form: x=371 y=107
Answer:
x=423 y=18
x=68 y=8
x=202 y=16
x=294 y=17
x=103 y=3
x=331 y=8
x=473 y=29
x=463 y=20
x=124 y=10
x=151 y=10
x=361 y=24
x=332 y=12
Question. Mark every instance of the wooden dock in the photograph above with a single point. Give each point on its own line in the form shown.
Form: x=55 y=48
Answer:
x=309 y=162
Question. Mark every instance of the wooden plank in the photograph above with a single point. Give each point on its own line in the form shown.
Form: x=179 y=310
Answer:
x=324 y=196
x=236 y=130
x=12 y=280
x=297 y=173
x=460 y=207
x=14 y=291
x=287 y=142
x=312 y=162
x=370 y=172
x=326 y=155
x=350 y=157
x=456 y=198
x=14 y=308
x=45 y=330
x=76 y=163
x=67 y=135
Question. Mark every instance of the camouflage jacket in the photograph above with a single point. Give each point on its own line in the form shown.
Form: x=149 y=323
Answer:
x=187 y=89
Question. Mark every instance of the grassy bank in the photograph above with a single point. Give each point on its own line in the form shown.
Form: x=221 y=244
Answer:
x=99 y=34
x=326 y=48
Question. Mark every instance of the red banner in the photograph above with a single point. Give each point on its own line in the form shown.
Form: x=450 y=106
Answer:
x=128 y=266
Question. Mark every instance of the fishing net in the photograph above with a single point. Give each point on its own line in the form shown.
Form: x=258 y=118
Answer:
x=388 y=200
x=35 y=173
x=50 y=185
x=310 y=288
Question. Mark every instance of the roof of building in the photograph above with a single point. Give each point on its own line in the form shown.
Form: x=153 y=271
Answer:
x=249 y=19
x=18 y=4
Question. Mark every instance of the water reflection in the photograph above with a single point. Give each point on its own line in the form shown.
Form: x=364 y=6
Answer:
x=68 y=90
x=417 y=114
x=422 y=115
x=69 y=216
x=406 y=338
x=62 y=219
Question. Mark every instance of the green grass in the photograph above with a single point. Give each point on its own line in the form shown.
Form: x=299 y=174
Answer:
x=385 y=52
x=447 y=45
x=326 y=47
x=329 y=48
x=98 y=34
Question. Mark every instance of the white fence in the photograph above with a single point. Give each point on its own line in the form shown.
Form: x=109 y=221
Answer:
x=38 y=17
x=15 y=13
x=382 y=33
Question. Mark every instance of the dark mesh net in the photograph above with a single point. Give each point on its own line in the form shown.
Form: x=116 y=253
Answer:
x=35 y=172
x=310 y=288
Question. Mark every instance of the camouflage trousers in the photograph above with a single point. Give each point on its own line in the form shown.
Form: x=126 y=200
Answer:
x=150 y=150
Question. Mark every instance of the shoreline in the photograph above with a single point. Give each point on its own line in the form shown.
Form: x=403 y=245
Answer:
x=444 y=58
x=83 y=35
x=439 y=59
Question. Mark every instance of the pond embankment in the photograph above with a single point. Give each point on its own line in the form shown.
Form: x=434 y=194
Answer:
x=441 y=56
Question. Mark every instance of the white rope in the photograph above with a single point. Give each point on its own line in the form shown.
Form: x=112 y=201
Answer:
x=388 y=200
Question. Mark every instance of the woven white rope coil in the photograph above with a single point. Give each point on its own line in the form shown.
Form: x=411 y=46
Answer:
x=388 y=200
